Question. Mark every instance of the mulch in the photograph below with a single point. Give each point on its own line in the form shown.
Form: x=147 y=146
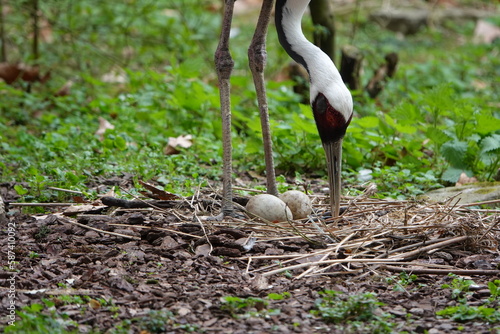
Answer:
x=159 y=265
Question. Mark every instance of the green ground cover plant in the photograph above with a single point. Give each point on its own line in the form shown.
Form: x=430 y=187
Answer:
x=353 y=314
x=462 y=312
x=32 y=320
x=38 y=318
x=239 y=307
x=436 y=119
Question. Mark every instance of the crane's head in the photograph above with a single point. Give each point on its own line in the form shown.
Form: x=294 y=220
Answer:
x=332 y=108
x=331 y=101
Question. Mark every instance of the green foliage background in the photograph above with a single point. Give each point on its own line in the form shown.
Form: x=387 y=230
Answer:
x=437 y=118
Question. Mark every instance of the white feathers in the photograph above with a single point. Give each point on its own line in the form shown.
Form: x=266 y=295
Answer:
x=324 y=76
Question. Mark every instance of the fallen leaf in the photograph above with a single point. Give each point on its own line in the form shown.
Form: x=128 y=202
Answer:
x=79 y=199
x=158 y=193
x=478 y=84
x=255 y=175
x=260 y=282
x=94 y=304
x=183 y=311
x=64 y=90
x=203 y=250
x=115 y=76
x=464 y=179
x=45 y=30
x=103 y=126
x=175 y=143
x=110 y=193
x=86 y=208
x=246 y=6
x=11 y=72
x=485 y=32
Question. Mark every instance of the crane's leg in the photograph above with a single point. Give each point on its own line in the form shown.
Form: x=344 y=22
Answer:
x=224 y=65
x=257 y=57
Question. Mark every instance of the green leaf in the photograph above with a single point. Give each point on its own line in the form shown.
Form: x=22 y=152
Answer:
x=368 y=122
x=494 y=288
x=305 y=125
x=35 y=307
x=453 y=174
x=275 y=296
x=20 y=190
x=406 y=129
x=487 y=124
x=407 y=113
x=437 y=135
x=120 y=143
x=490 y=143
x=474 y=138
x=454 y=152
x=441 y=98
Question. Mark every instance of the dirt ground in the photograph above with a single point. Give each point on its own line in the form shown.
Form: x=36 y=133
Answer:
x=167 y=270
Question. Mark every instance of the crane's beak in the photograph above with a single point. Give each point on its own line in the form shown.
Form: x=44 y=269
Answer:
x=333 y=152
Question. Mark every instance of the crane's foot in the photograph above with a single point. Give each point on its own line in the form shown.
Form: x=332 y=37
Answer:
x=328 y=214
x=225 y=215
x=218 y=218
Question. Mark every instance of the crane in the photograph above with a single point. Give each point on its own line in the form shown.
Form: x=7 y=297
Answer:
x=331 y=101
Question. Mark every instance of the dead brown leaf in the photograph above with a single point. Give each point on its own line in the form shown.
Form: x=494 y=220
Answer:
x=117 y=76
x=94 y=304
x=65 y=89
x=103 y=126
x=157 y=193
x=175 y=143
x=464 y=179
x=486 y=32
x=10 y=72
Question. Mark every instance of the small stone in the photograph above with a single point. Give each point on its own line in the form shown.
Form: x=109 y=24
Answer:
x=417 y=311
x=444 y=255
x=168 y=243
x=136 y=218
x=399 y=311
x=183 y=311
x=447 y=327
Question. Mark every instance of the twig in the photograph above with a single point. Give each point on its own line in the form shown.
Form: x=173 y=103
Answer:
x=157 y=228
x=41 y=204
x=66 y=220
x=316 y=263
x=405 y=256
x=204 y=233
x=57 y=292
x=495 y=201
x=200 y=222
x=489 y=229
x=66 y=190
x=464 y=272
x=250 y=190
x=423 y=243
x=3 y=216
x=314 y=267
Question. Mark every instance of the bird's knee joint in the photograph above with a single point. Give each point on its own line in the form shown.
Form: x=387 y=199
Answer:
x=257 y=57
x=224 y=63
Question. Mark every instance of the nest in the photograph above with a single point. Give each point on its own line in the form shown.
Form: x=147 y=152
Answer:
x=370 y=235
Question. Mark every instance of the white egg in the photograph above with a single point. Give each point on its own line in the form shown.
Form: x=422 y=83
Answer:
x=298 y=202
x=269 y=207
